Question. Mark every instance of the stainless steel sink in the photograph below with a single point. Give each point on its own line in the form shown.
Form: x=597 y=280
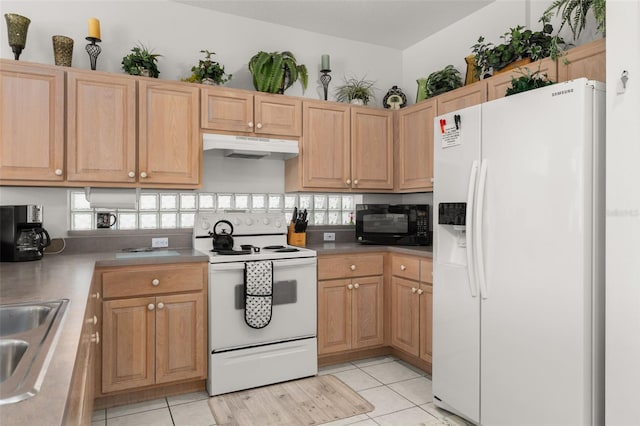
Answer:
x=28 y=334
x=19 y=318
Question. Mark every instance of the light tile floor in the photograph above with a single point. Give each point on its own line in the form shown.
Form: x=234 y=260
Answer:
x=400 y=393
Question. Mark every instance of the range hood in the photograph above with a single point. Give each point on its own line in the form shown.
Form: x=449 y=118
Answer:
x=250 y=147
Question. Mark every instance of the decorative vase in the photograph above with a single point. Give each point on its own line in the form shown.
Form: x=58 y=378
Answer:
x=356 y=101
x=471 y=76
x=512 y=65
x=145 y=72
x=17 y=27
x=422 y=90
x=209 y=81
x=62 y=50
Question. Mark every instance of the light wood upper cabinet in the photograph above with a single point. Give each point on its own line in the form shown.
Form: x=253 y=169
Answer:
x=239 y=111
x=31 y=123
x=170 y=147
x=415 y=146
x=498 y=84
x=587 y=60
x=325 y=149
x=371 y=148
x=472 y=94
x=101 y=127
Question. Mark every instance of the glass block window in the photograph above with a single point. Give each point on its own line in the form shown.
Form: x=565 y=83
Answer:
x=160 y=210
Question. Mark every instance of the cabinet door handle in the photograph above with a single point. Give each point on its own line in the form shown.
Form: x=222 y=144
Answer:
x=352 y=267
x=160 y=305
x=155 y=282
x=95 y=320
x=58 y=172
x=431 y=180
x=420 y=291
x=96 y=295
x=356 y=285
x=348 y=181
x=350 y=286
x=95 y=338
x=259 y=125
x=355 y=182
x=413 y=289
x=131 y=174
x=250 y=124
x=403 y=268
x=150 y=307
x=143 y=175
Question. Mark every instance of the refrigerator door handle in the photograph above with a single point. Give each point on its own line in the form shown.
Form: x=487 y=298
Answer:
x=471 y=192
x=478 y=230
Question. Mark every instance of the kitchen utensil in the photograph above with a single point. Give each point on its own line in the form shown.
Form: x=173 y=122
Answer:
x=294 y=217
x=223 y=240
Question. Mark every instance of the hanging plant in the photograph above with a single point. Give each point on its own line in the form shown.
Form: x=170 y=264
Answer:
x=574 y=13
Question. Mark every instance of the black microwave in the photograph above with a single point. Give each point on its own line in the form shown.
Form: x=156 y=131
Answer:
x=401 y=224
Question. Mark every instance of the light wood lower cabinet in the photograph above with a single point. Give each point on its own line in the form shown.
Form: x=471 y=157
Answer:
x=350 y=308
x=412 y=306
x=156 y=339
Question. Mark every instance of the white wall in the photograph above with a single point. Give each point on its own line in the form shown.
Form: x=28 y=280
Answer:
x=623 y=216
x=179 y=32
x=452 y=44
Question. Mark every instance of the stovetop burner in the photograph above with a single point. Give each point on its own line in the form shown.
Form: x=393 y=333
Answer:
x=231 y=252
x=286 y=250
x=273 y=247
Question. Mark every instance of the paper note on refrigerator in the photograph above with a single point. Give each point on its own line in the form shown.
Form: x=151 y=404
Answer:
x=451 y=136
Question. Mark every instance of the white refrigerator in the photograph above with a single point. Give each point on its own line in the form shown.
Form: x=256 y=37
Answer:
x=518 y=258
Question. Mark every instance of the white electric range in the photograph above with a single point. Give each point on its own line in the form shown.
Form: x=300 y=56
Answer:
x=242 y=357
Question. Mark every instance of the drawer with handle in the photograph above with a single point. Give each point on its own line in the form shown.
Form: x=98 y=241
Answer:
x=331 y=267
x=405 y=266
x=151 y=280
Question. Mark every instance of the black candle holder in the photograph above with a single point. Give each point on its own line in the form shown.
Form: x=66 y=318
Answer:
x=93 y=50
x=325 y=78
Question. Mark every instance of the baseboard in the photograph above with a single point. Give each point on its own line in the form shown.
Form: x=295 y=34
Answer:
x=155 y=392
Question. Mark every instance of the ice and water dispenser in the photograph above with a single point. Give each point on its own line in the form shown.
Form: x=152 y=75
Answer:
x=452 y=239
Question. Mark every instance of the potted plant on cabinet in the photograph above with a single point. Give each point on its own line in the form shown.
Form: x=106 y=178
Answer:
x=275 y=72
x=519 y=44
x=208 y=71
x=528 y=81
x=141 y=62
x=356 y=91
x=443 y=81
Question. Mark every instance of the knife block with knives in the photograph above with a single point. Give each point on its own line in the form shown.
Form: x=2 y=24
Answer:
x=296 y=232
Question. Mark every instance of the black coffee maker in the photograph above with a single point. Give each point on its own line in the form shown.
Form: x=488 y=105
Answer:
x=22 y=236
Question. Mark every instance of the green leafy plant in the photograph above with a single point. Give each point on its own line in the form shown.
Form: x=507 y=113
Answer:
x=275 y=72
x=517 y=44
x=528 y=81
x=208 y=69
x=356 y=88
x=141 y=59
x=574 y=13
x=443 y=81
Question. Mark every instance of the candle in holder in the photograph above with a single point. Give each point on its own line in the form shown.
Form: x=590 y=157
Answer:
x=94 y=28
x=326 y=65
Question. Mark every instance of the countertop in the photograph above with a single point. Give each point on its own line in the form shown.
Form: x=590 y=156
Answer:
x=355 y=247
x=62 y=277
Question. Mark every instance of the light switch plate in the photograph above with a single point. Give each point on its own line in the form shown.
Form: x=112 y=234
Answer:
x=160 y=242
x=329 y=236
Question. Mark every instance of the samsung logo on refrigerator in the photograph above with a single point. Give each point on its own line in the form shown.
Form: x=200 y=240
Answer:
x=562 y=92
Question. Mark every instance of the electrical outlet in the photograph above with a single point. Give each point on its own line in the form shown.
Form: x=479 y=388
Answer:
x=329 y=236
x=159 y=242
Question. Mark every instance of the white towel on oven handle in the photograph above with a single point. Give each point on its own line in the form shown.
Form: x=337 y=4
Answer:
x=258 y=293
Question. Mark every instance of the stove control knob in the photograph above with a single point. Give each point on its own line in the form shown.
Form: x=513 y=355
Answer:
x=249 y=221
x=266 y=221
x=205 y=224
x=236 y=221
x=278 y=223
